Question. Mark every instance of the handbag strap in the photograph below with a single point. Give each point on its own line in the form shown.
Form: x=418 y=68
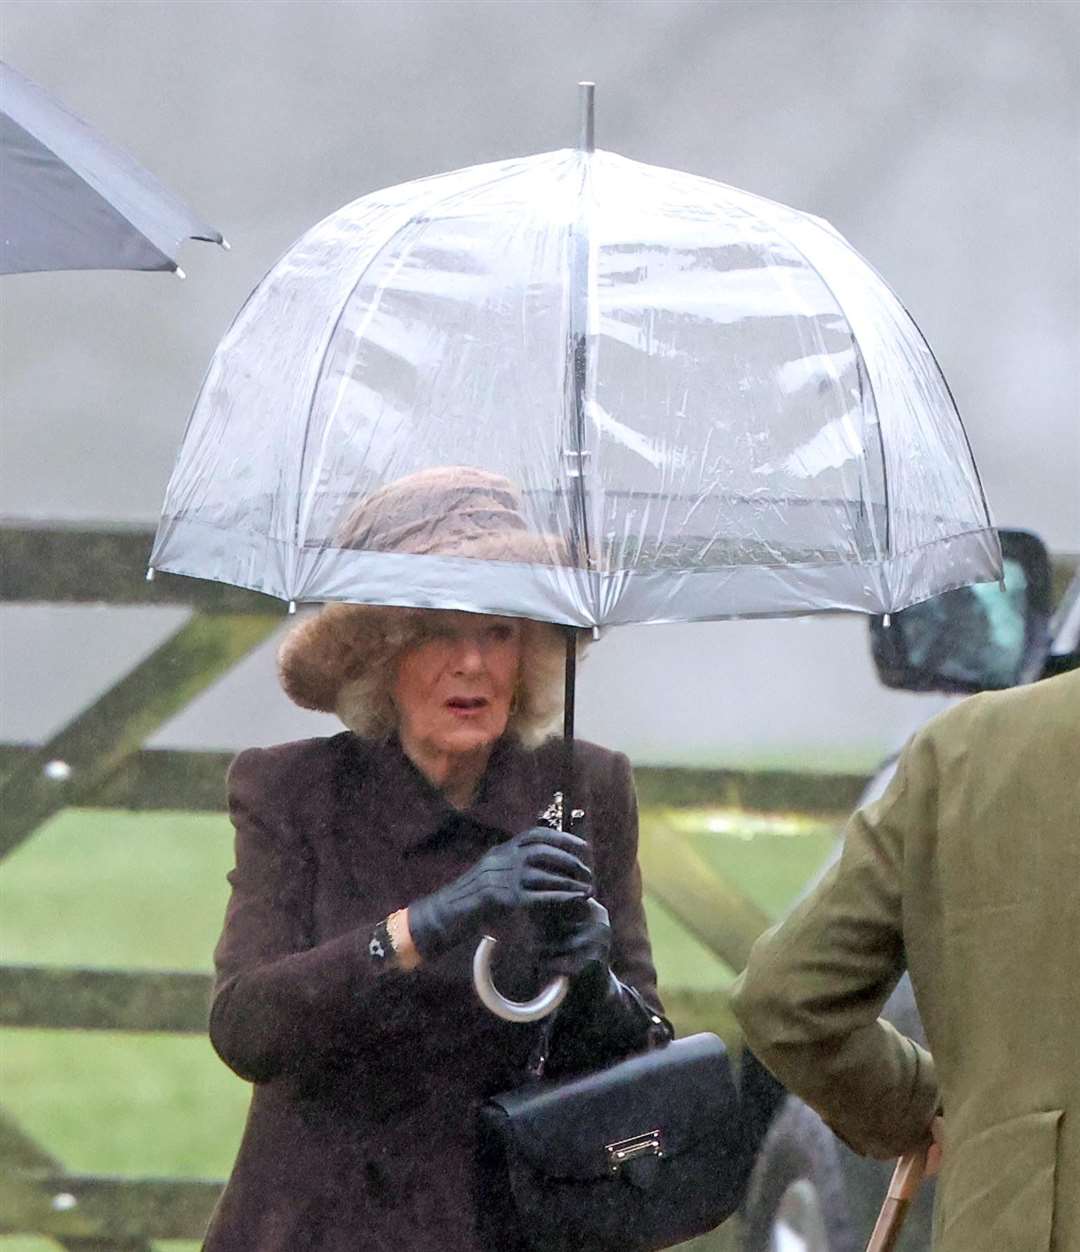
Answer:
x=538 y=1054
x=658 y=1033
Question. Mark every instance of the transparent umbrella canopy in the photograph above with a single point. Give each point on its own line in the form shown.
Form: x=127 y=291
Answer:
x=712 y=405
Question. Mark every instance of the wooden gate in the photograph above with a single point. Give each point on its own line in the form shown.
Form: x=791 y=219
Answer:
x=99 y=760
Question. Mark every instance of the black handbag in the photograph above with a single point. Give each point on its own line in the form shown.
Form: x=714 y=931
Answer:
x=638 y=1156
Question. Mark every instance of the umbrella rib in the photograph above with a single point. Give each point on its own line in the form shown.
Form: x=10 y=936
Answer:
x=859 y=355
x=870 y=382
x=862 y=371
x=421 y=214
x=952 y=401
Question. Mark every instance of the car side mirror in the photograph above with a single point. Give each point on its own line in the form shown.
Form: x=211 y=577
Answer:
x=980 y=638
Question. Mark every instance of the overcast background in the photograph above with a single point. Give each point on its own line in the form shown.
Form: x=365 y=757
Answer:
x=943 y=139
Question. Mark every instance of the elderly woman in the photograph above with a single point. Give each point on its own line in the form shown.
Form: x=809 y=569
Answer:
x=369 y=863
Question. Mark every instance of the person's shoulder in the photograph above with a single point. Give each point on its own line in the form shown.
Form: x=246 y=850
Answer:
x=306 y=762
x=591 y=759
x=1041 y=705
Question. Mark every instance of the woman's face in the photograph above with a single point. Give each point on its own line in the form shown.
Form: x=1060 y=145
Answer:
x=453 y=690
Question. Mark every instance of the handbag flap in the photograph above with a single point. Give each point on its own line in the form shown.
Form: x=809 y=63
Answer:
x=684 y=1092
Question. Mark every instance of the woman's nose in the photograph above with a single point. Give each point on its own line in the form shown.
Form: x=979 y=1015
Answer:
x=469 y=657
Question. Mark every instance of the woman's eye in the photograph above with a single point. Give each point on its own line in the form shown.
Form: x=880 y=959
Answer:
x=501 y=633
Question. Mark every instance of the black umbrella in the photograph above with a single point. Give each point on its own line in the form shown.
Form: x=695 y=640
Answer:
x=72 y=200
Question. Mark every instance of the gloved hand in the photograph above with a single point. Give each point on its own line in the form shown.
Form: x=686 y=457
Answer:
x=538 y=869
x=602 y=1018
x=574 y=937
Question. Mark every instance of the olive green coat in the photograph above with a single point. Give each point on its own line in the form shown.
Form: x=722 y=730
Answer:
x=967 y=872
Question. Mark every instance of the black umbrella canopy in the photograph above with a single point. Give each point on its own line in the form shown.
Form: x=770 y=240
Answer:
x=72 y=200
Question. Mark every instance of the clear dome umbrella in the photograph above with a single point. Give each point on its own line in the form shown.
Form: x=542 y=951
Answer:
x=712 y=398
x=712 y=405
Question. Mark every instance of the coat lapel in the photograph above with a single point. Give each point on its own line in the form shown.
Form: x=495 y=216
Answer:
x=384 y=806
x=382 y=800
x=512 y=795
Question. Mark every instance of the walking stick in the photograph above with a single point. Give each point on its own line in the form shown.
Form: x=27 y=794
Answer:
x=902 y=1188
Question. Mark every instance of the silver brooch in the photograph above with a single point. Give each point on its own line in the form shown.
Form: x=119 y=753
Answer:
x=375 y=948
x=552 y=816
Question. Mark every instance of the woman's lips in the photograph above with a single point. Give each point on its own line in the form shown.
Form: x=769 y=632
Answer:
x=466 y=706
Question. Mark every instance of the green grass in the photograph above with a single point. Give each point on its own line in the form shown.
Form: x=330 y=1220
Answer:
x=125 y=1104
x=148 y=890
x=137 y=891
x=770 y=858
x=104 y=888
x=681 y=961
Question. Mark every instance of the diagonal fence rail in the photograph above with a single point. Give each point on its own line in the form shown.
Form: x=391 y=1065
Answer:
x=94 y=760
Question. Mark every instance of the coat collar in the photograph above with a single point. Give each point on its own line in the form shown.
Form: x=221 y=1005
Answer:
x=383 y=788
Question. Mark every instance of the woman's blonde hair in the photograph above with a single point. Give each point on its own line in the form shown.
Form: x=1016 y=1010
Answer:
x=344 y=660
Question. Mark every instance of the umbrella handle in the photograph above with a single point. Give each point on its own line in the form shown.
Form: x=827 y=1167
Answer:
x=511 y=1010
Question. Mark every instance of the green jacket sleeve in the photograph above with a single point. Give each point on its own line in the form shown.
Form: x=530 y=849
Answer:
x=810 y=997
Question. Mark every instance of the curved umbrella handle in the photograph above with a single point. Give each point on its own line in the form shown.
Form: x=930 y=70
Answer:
x=511 y=1010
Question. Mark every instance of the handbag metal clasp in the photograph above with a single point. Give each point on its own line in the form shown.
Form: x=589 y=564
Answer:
x=623 y=1150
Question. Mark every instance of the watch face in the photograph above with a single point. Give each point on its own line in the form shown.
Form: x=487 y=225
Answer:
x=381 y=946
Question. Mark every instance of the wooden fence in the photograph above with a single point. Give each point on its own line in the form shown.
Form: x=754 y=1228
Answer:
x=99 y=760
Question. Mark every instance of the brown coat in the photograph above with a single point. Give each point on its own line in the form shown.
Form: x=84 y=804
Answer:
x=360 y=1132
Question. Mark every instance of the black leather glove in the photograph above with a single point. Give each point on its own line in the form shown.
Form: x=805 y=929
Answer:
x=538 y=869
x=602 y=1018
x=574 y=937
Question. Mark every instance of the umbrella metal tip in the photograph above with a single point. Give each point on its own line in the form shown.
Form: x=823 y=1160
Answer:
x=179 y=272
x=586 y=93
x=225 y=244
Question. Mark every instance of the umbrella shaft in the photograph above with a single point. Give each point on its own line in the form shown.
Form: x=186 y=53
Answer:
x=568 y=729
x=890 y=1222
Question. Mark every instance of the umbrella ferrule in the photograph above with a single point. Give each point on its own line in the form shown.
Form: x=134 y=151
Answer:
x=586 y=141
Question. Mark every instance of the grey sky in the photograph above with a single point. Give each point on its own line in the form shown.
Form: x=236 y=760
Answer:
x=942 y=138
